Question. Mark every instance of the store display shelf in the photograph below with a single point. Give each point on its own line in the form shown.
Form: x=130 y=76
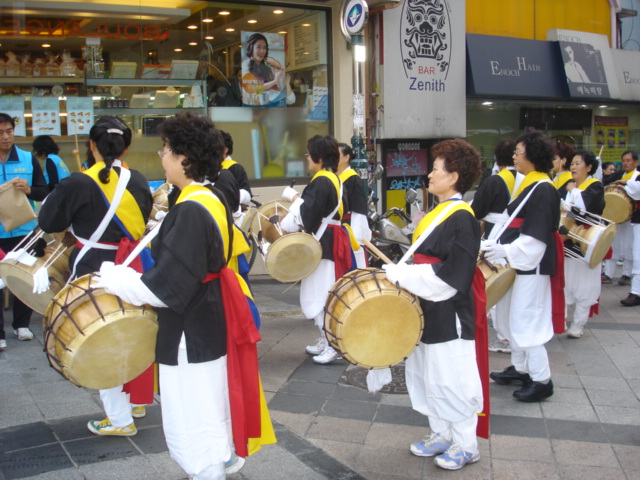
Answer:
x=20 y=81
x=140 y=82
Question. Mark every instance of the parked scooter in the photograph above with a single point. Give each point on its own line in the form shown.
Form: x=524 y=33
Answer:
x=390 y=238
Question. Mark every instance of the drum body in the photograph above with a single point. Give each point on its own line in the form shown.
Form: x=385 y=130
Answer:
x=498 y=280
x=265 y=220
x=594 y=241
x=292 y=257
x=19 y=276
x=619 y=206
x=96 y=340
x=370 y=321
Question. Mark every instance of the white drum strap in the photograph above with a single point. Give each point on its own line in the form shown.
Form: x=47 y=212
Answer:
x=328 y=220
x=123 y=180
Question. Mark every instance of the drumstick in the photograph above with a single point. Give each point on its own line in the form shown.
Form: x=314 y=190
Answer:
x=601 y=148
x=76 y=152
x=376 y=251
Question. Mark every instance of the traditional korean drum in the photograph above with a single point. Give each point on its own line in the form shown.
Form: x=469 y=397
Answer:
x=96 y=340
x=619 y=206
x=370 y=321
x=498 y=280
x=292 y=257
x=593 y=240
x=37 y=251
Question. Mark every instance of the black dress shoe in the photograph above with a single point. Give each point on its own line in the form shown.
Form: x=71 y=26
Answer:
x=534 y=392
x=632 y=300
x=510 y=376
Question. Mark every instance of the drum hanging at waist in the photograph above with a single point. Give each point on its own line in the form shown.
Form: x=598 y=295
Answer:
x=498 y=280
x=619 y=206
x=370 y=321
x=590 y=237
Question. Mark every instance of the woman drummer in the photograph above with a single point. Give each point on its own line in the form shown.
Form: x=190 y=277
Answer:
x=563 y=153
x=81 y=203
x=442 y=374
x=319 y=210
x=582 y=284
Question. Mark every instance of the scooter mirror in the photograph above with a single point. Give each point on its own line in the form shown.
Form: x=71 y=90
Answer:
x=410 y=196
x=377 y=174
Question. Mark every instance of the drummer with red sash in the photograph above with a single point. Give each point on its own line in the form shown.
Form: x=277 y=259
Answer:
x=623 y=241
x=206 y=343
x=582 y=284
x=318 y=211
x=632 y=188
x=531 y=245
x=443 y=374
x=83 y=203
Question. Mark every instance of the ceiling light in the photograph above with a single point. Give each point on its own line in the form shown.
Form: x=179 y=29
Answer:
x=193 y=44
x=224 y=12
x=487 y=103
x=177 y=49
x=192 y=27
x=278 y=12
x=283 y=32
x=603 y=106
x=207 y=20
x=46 y=45
x=209 y=37
x=306 y=24
x=252 y=21
x=229 y=29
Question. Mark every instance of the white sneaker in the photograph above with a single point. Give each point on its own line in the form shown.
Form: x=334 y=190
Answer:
x=23 y=334
x=576 y=330
x=318 y=347
x=328 y=355
x=234 y=464
x=3 y=344
x=501 y=346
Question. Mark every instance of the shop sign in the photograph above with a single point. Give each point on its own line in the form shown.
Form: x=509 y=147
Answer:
x=627 y=65
x=72 y=28
x=513 y=67
x=588 y=64
x=424 y=69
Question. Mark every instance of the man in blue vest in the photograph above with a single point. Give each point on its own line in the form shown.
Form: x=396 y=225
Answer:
x=23 y=171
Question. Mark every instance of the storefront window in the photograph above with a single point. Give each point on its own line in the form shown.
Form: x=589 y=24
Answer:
x=259 y=71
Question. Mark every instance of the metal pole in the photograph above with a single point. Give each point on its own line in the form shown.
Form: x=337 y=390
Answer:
x=360 y=163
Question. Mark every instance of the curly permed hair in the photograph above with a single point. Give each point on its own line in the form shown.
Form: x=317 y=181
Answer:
x=195 y=137
x=538 y=150
x=461 y=157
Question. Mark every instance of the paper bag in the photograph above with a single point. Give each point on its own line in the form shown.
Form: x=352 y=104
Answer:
x=15 y=209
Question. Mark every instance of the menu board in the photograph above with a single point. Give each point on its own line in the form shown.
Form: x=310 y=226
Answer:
x=307 y=42
x=14 y=107
x=46 y=116
x=79 y=115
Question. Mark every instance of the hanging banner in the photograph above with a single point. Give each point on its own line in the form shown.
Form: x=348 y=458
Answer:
x=14 y=107
x=612 y=134
x=423 y=70
x=79 y=115
x=263 y=69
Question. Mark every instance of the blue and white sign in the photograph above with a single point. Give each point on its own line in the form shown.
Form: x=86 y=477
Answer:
x=354 y=16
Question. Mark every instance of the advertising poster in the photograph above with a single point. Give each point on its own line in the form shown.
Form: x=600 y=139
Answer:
x=14 y=107
x=46 y=116
x=612 y=134
x=79 y=115
x=263 y=69
x=423 y=75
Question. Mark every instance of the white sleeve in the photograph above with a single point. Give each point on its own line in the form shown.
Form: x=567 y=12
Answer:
x=125 y=283
x=420 y=280
x=292 y=221
x=574 y=197
x=360 y=227
x=633 y=189
x=525 y=253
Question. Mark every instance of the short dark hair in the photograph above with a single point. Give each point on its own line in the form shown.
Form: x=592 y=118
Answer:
x=589 y=158
x=324 y=147
x=228 y=142
x=504 y=152
x=462 y=158
x=346 y=150
x=606 y=165
x=44 y=145
x=538 y=150
x=195 y=137
x=4 y=118
x=564 y=151
x=112 y=137
x=634 y=154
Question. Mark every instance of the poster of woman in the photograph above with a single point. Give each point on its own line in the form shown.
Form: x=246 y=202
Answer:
x=263 y=69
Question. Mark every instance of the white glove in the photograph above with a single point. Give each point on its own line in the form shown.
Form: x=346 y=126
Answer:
x=393 y=272
x=486 y=244
x=495 y=253
x=107 y=278
x=288 y=193
x=245 y=197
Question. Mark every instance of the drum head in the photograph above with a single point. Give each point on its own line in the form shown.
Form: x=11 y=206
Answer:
x=19 y=279
x=268 y=210
x=618 y=206
x=600 y=244
x=96 y=340
x=499 y=280
x=370 y=321
x=293 y=257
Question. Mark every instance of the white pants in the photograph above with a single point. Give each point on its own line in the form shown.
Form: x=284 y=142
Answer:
x=444 y=384
x=533 y=360
x=582 y=286
x=195 y=415
x=635 y=280
x=622 y=247
x=315 y=287
x=117 y=406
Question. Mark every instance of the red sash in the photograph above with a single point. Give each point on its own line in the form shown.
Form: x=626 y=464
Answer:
x=242 y=361
x=341 y=250
x=481 y=340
